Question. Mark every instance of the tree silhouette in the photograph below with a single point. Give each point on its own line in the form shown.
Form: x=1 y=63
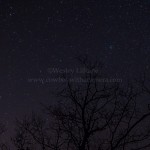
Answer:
x=32 y=128
x=93 y=115
x=21 y=140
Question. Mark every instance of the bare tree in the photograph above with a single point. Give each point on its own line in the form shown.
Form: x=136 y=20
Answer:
x=93 y=114
x=30 y=132
x=21 y=139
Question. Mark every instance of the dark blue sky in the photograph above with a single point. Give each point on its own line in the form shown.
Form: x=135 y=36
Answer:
x=39 y=34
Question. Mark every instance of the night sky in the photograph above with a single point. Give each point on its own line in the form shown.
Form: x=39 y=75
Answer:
x=36 y=35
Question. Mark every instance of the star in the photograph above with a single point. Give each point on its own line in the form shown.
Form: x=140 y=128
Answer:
x=60 y=60
x=111 y=47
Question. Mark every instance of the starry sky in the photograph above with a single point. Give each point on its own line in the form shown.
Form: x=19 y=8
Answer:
x=39 y=34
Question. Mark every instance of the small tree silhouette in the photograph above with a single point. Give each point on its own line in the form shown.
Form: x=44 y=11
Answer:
x=32 y=128
x=22 y=140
